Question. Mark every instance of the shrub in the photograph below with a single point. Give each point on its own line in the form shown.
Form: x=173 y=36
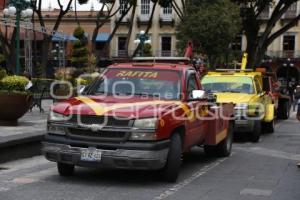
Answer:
x=13 y=83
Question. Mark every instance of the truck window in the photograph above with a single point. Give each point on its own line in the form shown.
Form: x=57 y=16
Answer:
x=164 y=84
x=232 y=84
x=191 y=85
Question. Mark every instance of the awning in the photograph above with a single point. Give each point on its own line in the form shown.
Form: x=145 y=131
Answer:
x=102 y=37
x=59 y=37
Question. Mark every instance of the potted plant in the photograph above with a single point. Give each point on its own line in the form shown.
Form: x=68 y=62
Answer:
x=14 y=100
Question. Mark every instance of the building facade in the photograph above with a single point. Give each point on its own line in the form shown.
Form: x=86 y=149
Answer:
x=285 y=46
x=64 y=34
x=161 y=33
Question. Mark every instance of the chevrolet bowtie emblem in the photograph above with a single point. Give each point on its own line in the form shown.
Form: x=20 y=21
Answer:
x=93 y=127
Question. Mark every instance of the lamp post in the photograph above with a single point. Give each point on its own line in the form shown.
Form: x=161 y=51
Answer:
x=18 y=8
x=142 y=39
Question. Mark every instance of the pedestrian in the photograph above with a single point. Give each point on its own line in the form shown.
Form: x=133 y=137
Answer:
x=298 y=117
x=296 y=97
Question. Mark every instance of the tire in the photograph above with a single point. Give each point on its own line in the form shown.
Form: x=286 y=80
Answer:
x=65 y=169
x=210 y=150
x=284 y=110
x=269 y=127
x=171 y=170
x=255 y=135
x=225 y=147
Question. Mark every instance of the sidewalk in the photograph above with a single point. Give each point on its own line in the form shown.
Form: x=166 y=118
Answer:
x=31 y=128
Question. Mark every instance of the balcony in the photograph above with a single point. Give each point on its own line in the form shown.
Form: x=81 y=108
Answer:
x=166 y=20
x=143 y=20
x=162 y=53
x=283 y=54
x=124 y=22
x=290 y=14
x=265 y=15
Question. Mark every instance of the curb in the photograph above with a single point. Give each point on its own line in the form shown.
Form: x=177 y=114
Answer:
x=20 y=146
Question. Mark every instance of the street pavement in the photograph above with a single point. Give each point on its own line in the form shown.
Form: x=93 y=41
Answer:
x=263 y=171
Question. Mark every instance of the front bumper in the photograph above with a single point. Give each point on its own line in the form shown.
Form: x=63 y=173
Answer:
x=121 y=156
x=244 y=125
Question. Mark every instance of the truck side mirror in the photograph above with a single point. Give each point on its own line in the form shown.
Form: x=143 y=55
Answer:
x=198 y=94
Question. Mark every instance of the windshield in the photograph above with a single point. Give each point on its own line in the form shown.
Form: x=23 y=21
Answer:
x=232 y=84
x=163 y=84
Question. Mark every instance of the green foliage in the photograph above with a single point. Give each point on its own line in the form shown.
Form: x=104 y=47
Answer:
x=147 y=50
x=38 y=70
x=79 y=33
x=2 y=73
x=210 y=26
x=13 y=83
x=80 y=52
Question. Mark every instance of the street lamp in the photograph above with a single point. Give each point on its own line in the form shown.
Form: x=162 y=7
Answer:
x=18 y=9
x=142 y=39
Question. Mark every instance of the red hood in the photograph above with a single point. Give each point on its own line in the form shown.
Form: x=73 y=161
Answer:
x=135 y=107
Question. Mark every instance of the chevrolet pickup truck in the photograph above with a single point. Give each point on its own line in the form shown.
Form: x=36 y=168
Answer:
x=140 y=116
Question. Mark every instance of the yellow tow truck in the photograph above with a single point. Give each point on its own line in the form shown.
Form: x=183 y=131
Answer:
x=254 y=109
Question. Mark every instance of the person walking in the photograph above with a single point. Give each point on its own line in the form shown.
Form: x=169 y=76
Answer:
x=296 y=97
x=298 y=117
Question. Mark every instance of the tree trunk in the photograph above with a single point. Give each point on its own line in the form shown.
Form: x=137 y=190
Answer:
x=45 y=54
x=130 y=31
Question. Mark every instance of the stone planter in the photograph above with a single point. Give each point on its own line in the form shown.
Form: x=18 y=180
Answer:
x=13 y=107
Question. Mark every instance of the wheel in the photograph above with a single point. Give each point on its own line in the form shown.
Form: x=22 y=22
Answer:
x=255 y=135
x=224 y=148
x=284 y=110
x=171 y=170
x=269 y=126
x=65 y=169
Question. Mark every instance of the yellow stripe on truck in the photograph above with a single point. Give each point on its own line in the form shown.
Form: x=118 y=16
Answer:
x=101 y=110
x=221 y=136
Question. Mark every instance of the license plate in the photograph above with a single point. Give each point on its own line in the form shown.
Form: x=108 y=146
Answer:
x=91 y=154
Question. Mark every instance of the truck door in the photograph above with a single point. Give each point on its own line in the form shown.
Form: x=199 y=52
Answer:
x=193 y=123
x=263 y=98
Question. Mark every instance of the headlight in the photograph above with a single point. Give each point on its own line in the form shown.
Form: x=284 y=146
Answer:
x=56 y=130
x=53 y=116
x=148 y=123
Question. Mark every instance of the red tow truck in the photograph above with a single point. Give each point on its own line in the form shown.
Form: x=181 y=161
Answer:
x=140 y=116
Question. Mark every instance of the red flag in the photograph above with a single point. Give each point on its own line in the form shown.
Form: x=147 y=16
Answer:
x=188 y=53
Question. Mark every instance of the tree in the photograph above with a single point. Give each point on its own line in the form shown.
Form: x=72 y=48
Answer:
x=258 y=38
x=63 y=10
x=211 y=26
x=80 y=52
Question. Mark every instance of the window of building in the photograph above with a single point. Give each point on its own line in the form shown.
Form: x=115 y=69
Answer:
x=167 y=10
x=123 y=6
x=237 y=44
x=289 y=43
x=121 y=46
x=166 y=45
x=145 y=7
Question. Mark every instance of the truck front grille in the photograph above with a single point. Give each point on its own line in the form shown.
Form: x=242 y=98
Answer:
x=102 y=120
x=90 y=135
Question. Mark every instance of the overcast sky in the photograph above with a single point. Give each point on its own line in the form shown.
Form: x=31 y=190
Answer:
x=54 y=4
